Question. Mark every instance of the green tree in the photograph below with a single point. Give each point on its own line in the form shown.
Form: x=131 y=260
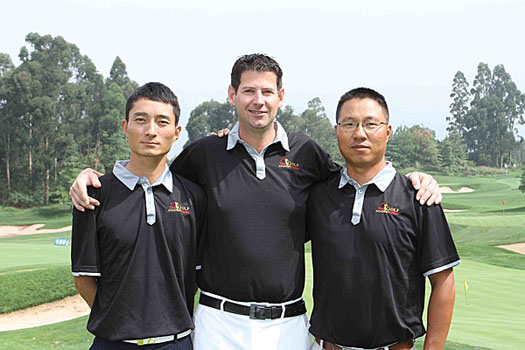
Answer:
x=51 y=63
x=511 y=107
x=207 y=117
x=425 y=146
x=452 y=152
x=58 y=113
x=290 y=121
x=6 y=67
x=459 y=107
x=318 y=127
x=488 y=127
x=401 y=148
x=412 y=147
x=522 y=182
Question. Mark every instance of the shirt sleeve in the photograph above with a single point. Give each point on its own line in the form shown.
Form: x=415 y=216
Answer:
x=437 y=251
x=327 y=167
x=84 y=242
x=184 y=164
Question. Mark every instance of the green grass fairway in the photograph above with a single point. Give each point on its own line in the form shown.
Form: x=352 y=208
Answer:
x=24 y=252
x=31 y=251
x=69 y=335
x=484 y=225
x=494 y=316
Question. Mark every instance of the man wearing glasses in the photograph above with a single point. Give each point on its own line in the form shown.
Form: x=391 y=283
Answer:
x=375 y=244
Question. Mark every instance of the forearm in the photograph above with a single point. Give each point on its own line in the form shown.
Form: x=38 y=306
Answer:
x=87 y=288
x=440 y=307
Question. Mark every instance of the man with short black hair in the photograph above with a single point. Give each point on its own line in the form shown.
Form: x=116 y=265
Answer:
x=134 y=257
x=373 y=244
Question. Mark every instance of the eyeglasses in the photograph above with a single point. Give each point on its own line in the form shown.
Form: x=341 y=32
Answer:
x=367 y=126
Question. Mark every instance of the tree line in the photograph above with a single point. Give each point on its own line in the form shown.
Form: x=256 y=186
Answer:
x=60 y=115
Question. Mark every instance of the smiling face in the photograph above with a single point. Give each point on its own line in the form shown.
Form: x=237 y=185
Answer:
x=361 y=149
x=151 y=128
x=257 y=100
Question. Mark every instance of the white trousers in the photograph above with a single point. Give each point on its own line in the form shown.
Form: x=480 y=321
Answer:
x=220 y=330
x=316 y=346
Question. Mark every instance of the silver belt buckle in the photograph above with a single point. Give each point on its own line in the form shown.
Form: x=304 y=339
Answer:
x=257 y=312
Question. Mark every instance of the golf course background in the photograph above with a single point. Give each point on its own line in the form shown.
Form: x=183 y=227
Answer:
x=490 y=314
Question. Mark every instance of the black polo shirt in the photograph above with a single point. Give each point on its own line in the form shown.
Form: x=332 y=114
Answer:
x=369 y=278
x=146 y=272
x=254 y=246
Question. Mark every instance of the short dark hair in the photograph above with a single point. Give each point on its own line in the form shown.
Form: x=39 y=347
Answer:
x=361 y=93
x=255 y=62
x=155 y=92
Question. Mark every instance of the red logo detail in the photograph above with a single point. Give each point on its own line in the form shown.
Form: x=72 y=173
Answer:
x=286 y=163
x=176 y=206
x=385 y=208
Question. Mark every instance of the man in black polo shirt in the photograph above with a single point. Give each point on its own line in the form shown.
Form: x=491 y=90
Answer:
x=373 y=244
x=134 y=257
x=257 y=181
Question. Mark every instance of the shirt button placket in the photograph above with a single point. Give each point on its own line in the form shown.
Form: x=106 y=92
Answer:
x=150 y=202
x=260 y=167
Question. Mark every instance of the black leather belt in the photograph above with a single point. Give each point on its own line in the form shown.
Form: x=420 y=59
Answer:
x=255 y=311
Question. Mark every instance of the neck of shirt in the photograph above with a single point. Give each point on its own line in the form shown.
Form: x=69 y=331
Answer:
x=364 y=175
x=258 y=141
x=150 y=168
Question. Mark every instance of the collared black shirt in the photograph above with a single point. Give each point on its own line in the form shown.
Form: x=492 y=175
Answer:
x=147 y=272
x=254 y=247
x=369 y=278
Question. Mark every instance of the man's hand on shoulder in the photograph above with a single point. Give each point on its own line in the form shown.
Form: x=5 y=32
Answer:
x=78 y=190
x=428 y=188
x=221 y=133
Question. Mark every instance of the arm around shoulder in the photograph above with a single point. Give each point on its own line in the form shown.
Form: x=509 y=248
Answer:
x=186 y=163
x=78 y=190
x=428 y=188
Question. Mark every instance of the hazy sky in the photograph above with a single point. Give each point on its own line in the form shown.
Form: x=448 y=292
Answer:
x=407 y=50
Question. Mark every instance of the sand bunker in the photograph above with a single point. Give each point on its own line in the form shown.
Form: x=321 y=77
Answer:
x=57 y=311
x=12 y=231
x=446 y=189
x=516 y=247
x=454 y=210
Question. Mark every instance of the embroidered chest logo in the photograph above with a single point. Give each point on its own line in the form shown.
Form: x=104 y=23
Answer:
x=385 y=208
x=176 y=206
x=286 y=163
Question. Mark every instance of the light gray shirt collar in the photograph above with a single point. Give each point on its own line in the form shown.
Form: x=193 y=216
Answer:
x=281 y=136
x=130 y=180
x=382 y=180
